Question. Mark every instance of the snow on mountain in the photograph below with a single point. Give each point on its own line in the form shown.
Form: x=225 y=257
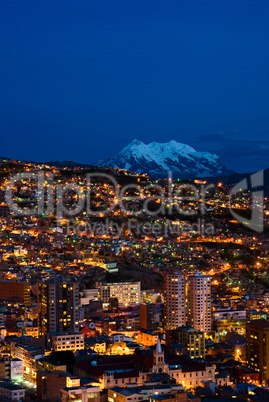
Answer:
x=156 y=159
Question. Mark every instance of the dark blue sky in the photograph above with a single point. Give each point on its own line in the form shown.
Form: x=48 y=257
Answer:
x=81 y=79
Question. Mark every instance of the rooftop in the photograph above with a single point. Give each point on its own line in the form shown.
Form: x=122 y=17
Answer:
x=124 y=391
x=259 y=323
x=10 y=386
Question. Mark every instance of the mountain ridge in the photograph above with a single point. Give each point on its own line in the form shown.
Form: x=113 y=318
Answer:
x=156 y=159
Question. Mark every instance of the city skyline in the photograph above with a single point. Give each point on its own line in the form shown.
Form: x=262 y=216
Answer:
x=134 y=201
x=80 y=83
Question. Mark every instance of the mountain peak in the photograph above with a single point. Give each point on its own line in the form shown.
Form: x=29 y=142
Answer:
x=157 y=159
x=136 y=142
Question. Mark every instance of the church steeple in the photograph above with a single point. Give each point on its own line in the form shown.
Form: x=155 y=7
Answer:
x=158 y=347
x=159 y=365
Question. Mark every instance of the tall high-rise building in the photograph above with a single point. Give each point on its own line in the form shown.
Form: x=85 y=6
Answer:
x=174 y=300
x=257 y=340
x=199 y=302
x=58 y=306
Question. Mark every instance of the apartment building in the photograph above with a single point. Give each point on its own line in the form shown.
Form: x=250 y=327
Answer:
x=58 y=303
x=199 y=302
x=60 y=341
x=127 y=293
x=174 y=295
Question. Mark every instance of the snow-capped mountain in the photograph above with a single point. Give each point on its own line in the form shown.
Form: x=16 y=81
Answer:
x=156 y=159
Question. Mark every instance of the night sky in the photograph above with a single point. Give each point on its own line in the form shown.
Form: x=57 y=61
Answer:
x=81 y=79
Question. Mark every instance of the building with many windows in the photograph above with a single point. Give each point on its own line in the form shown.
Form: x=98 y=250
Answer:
x=127 y=293
x=58 y=306
x=194 y=341
x=257 y=339
x=59 y=341
x=199 y=302
x=174 y=295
